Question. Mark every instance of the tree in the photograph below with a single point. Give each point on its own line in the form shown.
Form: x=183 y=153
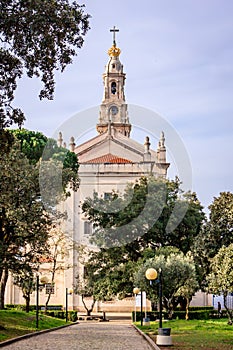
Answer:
x=24 y=224
x=220 y=279
x=34 y=145
x=126 y=226
x=221 y=221
x=67 y=166
x=38 y=37
x=215 y=233
x=107 y=273
x=178 y=277
x=6 y=140
x=26 y=281
x=59 y=243
x=58 y=167
x=144 y=216
x=186 y=292
x=86 y=288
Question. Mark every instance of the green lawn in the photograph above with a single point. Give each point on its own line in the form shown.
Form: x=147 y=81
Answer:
x=15 y=323
x=195 y=334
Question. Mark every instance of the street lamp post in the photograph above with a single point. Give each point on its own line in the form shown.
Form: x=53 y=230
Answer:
x=136 y=291
x=141 y=309
x=152 y=275
x=43 y=281
x=163 y=337
x=68 y=292
x=37 y=302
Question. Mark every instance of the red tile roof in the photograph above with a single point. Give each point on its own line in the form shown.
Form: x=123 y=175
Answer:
x=108 y=159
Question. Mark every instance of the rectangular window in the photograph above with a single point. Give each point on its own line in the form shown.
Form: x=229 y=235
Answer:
x=49 y=288
x=87 y=228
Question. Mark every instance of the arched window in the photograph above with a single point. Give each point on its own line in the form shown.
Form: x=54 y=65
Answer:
x=113 y=87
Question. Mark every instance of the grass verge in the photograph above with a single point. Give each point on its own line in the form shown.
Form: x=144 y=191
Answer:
x=195 y=334
x=16 y=323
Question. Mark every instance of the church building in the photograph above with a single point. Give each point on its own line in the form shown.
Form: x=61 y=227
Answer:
x=111 y=159
x=108 y=161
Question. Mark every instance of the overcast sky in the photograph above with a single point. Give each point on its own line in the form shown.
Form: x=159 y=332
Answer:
x=178 y=60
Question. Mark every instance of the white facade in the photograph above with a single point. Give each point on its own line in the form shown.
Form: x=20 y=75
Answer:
x=107 y=162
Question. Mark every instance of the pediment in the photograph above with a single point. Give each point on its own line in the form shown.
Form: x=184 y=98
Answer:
x=118 y=145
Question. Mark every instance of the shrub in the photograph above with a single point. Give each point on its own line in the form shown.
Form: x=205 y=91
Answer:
x=195 y=313
x=22 y=307
x=73 y=316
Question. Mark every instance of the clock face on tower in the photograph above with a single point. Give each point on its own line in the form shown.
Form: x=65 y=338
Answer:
x=114 y=110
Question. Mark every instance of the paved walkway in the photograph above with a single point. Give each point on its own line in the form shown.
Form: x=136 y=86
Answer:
x=86 y=336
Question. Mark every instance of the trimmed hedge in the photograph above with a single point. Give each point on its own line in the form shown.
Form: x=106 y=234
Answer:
x=196 y=308
x=195 y=313
x=53 y=311
x=72 y=315
x=22 y=307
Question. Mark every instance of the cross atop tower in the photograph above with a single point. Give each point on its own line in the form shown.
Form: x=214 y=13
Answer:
x=114 y=30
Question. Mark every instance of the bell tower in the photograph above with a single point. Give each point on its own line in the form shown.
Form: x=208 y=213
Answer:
x=113 y=109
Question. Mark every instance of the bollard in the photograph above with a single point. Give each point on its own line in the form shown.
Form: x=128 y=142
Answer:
x=164 y=338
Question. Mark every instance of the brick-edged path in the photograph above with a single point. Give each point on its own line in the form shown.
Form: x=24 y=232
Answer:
x=86 y=336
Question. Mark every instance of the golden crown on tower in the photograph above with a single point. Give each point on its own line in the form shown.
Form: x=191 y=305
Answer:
x=114 y=51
